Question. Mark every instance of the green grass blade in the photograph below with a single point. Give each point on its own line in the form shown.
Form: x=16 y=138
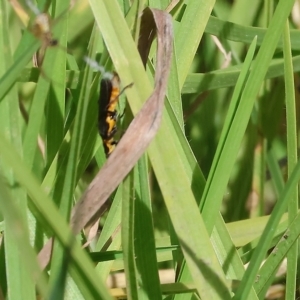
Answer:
x=189 y=33
x=228 y=147
x=48 y=215
x=292 y=157
x=55 y=68
x=245 y=34
x=275 y=172
x=146 y=261
x=128 y=211
x=180 y=157
x=111 y=230
x=20 y=279
x=198 y=83
x=35 y=120
x=21 y=275
x=70 y=177
x=270 y=266
x=12 y=75
x=224 y=247
x=251 y=89
x=183 y=221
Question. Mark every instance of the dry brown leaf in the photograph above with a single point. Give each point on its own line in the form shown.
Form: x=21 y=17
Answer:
x=139 y=134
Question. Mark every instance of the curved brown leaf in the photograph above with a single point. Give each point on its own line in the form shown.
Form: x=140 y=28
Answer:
x=139 y=134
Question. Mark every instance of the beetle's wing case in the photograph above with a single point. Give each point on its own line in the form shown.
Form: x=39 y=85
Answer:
x=105 y=93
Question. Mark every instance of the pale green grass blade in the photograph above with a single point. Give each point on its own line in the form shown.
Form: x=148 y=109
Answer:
x=246 y=231
x=123 y=50
x=292 y=143
x=183 y=219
